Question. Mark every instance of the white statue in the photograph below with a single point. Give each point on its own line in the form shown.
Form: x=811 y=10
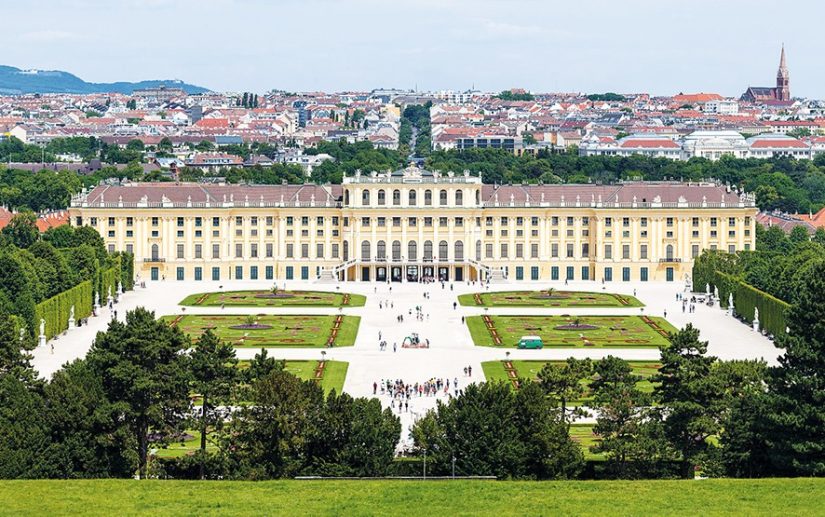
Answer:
x=41 y=340
x=716 y=292
x=120 y=288
x=707 y=289
x=756 y=319
x=71 y=312
x=730 y=304
x=97 y=301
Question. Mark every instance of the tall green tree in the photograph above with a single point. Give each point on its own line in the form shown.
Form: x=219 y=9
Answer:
x=796 y=420
x=689 y=395
x=214 y=371
x=566 y=383
x=144 y=373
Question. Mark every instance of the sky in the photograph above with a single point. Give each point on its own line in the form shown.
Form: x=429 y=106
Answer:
x=661 y=47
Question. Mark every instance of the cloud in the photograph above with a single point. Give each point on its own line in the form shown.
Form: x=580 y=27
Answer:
x=496 y=28
x=47 y=36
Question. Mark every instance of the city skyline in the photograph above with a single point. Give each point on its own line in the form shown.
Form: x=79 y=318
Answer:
x=232 y=45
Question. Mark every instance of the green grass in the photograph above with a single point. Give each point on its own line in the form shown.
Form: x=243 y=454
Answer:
x=495 y=371
x=583 y=435
x=540 y=299
x=612 y=331
x=263 y=298
x=294 y=331
x=414 y=498
x=190 y=443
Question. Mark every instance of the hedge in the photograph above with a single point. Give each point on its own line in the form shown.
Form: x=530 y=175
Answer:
x=772 y=310
x=127 y=270
x=56 y=309
x=108 y=280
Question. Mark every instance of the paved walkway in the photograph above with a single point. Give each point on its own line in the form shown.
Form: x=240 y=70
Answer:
x=451 y=347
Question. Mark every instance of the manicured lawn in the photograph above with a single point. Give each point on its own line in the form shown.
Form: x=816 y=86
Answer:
x=403 y=498
x=496 y=371
x=333 y=378
x=609 y=331
x=583 y=434
x=541 y=299
x=189 y=443
x=298 y=331
x=264 y=298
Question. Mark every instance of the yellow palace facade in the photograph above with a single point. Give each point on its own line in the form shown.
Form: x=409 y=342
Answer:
x=412 y=225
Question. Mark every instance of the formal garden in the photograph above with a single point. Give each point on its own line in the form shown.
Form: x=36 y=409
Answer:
x=548 y=298
x=257 y=331
x=571 y=331
x=514 y=371
x=275 y=298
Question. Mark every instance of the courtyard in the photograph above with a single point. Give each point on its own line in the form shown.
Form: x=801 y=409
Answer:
x=451 y=340
x=571 y=331
x=261 y=330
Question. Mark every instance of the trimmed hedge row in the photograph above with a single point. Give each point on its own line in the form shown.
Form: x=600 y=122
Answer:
x=55 y=311
x=772 y=310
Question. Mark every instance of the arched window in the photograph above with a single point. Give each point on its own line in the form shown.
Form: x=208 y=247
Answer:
x=346 y=251
x=428 y=197
x=381 y=250
x=412 y=199
x=346 y=197
x=478 y=197
x=382 y=197
x=459 y=198
x=412 y=250
x=396 y=250
x=478 y=250
x=669 y=252
x=365 y=197
x=428 y=250
x=459 y=251
x=442 y=198
x=154 y=251
x=365 y=250
x=443 y=251
x=396 y=197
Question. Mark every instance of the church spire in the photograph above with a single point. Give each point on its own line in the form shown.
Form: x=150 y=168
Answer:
x=782 y=91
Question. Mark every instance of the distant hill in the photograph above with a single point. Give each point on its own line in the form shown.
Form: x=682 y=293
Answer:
x=15 y=81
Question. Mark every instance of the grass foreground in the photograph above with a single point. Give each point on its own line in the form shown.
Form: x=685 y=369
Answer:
x=801 y=496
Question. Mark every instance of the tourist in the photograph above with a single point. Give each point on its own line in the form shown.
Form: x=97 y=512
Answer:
x=374 y=388
x=665 y=313
x=394 y=346
x=455 y=305
x=462 y=320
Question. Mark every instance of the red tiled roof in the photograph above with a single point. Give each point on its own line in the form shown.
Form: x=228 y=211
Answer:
x=652 y=143
x=769 y=143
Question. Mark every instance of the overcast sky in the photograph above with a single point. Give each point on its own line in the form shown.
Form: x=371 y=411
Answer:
x=661 y=47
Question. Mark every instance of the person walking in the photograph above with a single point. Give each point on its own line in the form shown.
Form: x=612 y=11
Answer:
x=394 y=346
x=374 y=387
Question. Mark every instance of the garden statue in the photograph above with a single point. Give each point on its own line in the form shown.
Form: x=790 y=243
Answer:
x=109 y=296
x=716 y=294
x=71 y=317
x=756 y=319
x=97 y=302
x=730 y=304
x=707 y=289
x=42 y=338
x=120 y=288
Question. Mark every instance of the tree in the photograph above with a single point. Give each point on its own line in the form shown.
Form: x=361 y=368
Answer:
x=214 y=373
x=689 y=396
x=22 y=229
x=624 y=425
x=24 y=435
x=799 y=235
x=144 y=374
x=88 y=440
x=267 y=439
x=796 y=417
x=566 y=383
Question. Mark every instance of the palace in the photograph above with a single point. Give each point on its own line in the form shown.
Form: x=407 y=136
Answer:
x=413 y=224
